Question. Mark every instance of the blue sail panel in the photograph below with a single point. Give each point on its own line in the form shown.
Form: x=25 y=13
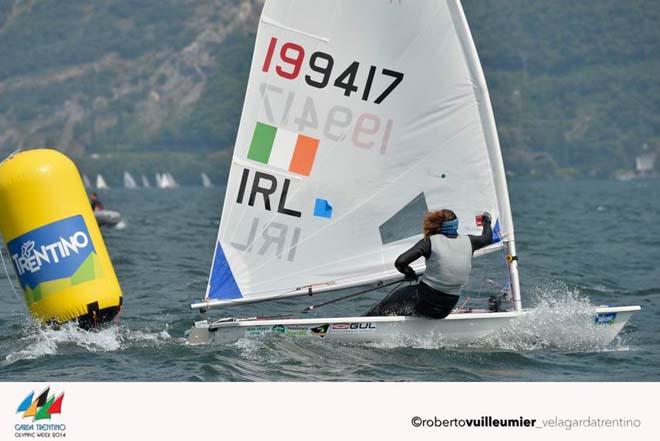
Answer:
x=497 y=232
x=222 y=284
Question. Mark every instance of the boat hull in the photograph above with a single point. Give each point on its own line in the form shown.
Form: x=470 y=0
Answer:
x=456 y=329
x=107 y=217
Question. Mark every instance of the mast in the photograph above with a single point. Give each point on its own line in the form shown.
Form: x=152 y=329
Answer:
x=494 y=149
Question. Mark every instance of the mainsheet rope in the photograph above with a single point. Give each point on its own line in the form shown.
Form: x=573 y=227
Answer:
x=9 y=279
x=350 y=296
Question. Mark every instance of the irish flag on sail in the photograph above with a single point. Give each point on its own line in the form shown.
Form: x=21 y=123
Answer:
x=283 y=149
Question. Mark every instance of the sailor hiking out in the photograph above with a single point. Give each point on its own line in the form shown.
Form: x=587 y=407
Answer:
x=448 y=264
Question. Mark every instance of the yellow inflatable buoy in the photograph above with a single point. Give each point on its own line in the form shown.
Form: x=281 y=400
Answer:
x=53 y=240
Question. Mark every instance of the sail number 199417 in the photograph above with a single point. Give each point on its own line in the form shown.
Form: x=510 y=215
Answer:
x=291 y=57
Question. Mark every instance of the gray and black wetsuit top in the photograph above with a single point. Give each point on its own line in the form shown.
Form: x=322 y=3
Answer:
x=448 y=259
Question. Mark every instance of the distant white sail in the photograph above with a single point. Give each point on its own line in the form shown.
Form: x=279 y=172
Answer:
x=359 y=116
x=206 y=182
x=100 y=183
x=165 y=181
x=86 y=181
x=129 y=182
x=171 y=182
x=145 y=182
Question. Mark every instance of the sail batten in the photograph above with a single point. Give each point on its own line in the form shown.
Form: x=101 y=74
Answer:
x=349 y=134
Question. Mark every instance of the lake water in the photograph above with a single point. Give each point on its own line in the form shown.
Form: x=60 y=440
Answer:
x=579 y=242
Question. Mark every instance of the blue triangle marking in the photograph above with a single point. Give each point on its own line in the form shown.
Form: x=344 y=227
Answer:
x=222 y=284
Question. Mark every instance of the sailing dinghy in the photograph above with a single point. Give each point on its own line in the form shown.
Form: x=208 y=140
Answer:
x=358 y=118
x=100 y=183
x=129 y=181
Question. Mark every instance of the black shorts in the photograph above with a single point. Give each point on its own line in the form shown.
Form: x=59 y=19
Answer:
x=419 y=300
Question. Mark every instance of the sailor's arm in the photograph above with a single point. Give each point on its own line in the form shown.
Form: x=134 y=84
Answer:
x=420 y=249
x=486 y=237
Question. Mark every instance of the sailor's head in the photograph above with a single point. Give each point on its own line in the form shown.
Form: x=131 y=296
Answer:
x=440 y=221
x=94 y=196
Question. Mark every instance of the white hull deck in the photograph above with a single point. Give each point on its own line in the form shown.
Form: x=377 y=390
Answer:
x=457 y=329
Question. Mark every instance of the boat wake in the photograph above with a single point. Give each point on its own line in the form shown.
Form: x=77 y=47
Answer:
x=37 y=340
x=562 y=319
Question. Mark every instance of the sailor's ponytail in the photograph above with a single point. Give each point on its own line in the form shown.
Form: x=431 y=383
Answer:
x=433 y=221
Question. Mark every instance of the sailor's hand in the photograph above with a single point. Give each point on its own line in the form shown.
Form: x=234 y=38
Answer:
x=486 y=216
x=410 y=276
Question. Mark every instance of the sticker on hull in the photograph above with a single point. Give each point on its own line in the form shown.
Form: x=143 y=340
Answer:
x=311 y=330
x=606 y=318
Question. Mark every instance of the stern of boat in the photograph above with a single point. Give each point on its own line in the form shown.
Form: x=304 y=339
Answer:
x=198 y=334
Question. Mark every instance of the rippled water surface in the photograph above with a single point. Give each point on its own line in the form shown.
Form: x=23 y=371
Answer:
x=579 y=243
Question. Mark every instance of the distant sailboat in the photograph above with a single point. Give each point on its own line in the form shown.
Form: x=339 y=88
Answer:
x=168 y=181
x=86 y=181
x=206 y=182
x=103 y=216
x=165 y=181
x=145 y=182
x=100 y=183
x=129 y=182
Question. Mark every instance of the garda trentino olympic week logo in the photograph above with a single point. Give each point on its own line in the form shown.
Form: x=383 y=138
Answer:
x=42 y=407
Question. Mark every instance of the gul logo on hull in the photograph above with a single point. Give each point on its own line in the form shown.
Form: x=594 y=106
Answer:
x=353 y=326
x=51 y=252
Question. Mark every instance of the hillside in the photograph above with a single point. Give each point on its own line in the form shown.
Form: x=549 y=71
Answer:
x=574 y=85
x=113 y=75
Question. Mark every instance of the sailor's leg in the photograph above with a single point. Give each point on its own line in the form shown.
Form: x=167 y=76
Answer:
x=401 y=302
x=434 y=304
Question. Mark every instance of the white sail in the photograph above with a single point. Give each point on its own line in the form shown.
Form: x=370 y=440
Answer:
x=129 y=182
x=145 y=182
x=86 y=181
x=358 y=118
x=206 y=181
x=168 y=181
x=100 y=183
x=165 y=181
